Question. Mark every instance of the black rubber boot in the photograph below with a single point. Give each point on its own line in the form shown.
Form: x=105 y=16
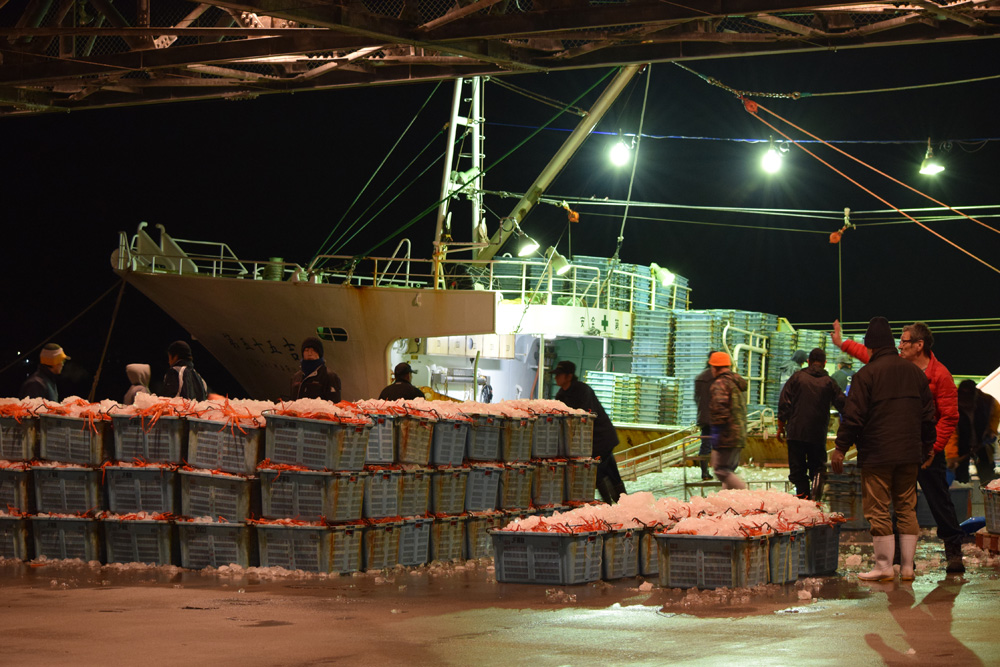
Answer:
x=953 y=552
x=705 y=475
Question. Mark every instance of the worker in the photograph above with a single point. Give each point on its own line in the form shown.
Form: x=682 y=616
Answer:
x=915 y=345
x=889 y=417
x=401 y=387
x=42 y=383
x=138 y=375
x=728 y=414
x=979 y=416
x=804 y=418
x=788 y=368
x=181 y=378
x=579 y=395
x=313 y=379
x=842 y=376
x=701 y=398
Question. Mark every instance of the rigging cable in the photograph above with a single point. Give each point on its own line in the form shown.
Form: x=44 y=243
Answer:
x=374 y=174
x=419 y=216
x=752 y=107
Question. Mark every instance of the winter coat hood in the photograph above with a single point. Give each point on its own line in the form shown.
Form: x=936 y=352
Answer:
x=138 y=374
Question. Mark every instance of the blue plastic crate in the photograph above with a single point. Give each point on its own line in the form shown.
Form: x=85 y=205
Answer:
x=581 y=479
x=448 y=538
x=703 y=561
x=13 y=537
x=229 y=497
x=140 y=437
x=448 y=442
x=482 y=490
x=381 y=447
x=215 y=445
x=549 y=483
x=785 y=556
x=14 y=488
x=414 y=492
x=381 y=497
x=18 y=438
x=415 y=540
x=311 y=495
x=140 y=489
x=310 y=548
x=483 y=443
x=649 y=553
x=546 y=436
x=515 y=486
x=313 y=443
x=66 y=537
x=413 y=439
x=448 y=486
x=141 y=541
x=72 y=439
x=820 y=550
x=517 y=435
x=67 y=490
x=579 y=438
x=478 y=542
x=547 y=558
x=216 y=544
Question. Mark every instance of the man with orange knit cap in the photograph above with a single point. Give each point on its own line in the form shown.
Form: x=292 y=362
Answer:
x=42 y=383
x=728 y=413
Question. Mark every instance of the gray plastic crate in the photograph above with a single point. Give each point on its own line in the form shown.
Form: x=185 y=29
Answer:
x=448 y=442
x=381 y=447
x=316 y=444
x=820 y=550
x=381 y=497
x=413 y=439
x=549 y=483
x=67 y=490
x=310 y=548
x=621 y=553
x=482 y=491
x=848 y=504
x=229 y=497
x=415 y=540
x=478 y=542
x=649 y=553
x=66 y=537
x=484 y=438
x=215 y=445
x=311 y=495
x=14 y=488
x=18 y=439
x=515 y=486
x=143 y=489
x=448 y=538
x=547 y=558
x=71 y=439
x=448 y=490
x=380 y=548
x=414 y=492
x=579 y=436
x=991 y=507
x=13 y=537
x=703 y=561
x=216 y=544
x=139 y=437
x=785 y=556
x=150 y=542
x=581 y=479
x=546 y=436
x=516 y=439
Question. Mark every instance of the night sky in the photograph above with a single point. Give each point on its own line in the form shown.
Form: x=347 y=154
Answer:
x=272 y=176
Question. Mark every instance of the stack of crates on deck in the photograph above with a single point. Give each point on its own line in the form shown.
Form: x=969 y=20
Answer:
x=312 y=483
x=603 y=384
x=18 y=447
x=695 y=335
x=782 y=345
x=652 y=332
x=670 y=400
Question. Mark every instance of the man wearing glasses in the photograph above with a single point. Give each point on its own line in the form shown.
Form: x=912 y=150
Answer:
x=915 y=345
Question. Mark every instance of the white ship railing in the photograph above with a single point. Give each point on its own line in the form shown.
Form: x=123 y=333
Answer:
x=528 y=281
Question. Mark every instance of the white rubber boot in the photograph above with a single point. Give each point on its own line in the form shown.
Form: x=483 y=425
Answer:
x=907 y=553
x=885 y=548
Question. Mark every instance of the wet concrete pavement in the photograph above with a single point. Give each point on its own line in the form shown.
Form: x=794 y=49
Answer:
x=64 y=613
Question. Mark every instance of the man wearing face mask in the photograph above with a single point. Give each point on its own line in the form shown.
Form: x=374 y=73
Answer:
x=313 y=379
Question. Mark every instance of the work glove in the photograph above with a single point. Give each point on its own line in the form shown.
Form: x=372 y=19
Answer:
x=781 y=430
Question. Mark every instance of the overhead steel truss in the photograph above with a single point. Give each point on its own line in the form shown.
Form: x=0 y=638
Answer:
x=60 y=55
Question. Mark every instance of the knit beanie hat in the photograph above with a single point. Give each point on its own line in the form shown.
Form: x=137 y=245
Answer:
x=800 y=356
x=314 y=344
x=179 y=349
x=879 y=334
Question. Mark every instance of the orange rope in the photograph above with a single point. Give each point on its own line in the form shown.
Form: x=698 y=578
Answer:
x=752 y=107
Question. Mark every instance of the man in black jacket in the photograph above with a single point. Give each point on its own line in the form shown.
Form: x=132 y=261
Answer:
x=579 y=395
x=702 y=396
x=804 y=417
x=42 y=383
x=314 y=379
x=890 y=417
x=401 y=388
x=181 y=378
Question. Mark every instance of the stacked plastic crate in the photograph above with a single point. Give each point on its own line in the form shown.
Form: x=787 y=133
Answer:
x=670 y=400
x=220 y=492
x=694 y=338
x=808 y=339
x=652 y=332
x=311 y=485
x=18 y=447
x=782 y=345
x=603 y=384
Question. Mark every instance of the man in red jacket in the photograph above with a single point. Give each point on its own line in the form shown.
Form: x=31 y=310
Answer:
x=915 y=346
